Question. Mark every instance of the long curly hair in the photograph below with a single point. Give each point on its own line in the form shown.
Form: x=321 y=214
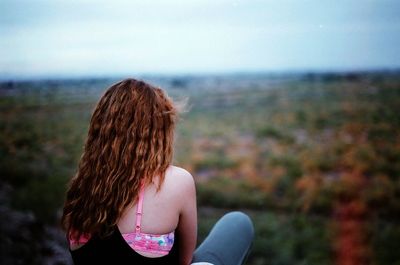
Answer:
x=129 y=142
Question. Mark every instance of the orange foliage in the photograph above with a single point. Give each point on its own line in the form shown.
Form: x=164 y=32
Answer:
x=309 y=186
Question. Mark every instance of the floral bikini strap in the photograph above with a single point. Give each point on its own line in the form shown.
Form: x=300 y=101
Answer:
x=139 y=209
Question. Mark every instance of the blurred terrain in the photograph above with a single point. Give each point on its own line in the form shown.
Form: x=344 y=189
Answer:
x=314 y=159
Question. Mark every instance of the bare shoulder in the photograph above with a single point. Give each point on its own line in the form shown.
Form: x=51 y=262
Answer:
x=179 y=178
x=179 y=172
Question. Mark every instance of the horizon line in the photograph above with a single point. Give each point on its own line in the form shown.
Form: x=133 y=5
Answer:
x=44 y=77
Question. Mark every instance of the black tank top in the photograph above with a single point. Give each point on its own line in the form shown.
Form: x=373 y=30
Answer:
x=116 y=251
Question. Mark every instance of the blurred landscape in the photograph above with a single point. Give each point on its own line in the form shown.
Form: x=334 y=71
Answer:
x=313 y=158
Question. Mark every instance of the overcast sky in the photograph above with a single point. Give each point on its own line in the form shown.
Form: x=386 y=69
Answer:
x=104 y=37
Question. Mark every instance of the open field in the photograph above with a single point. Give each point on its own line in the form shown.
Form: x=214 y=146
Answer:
x=314 y=159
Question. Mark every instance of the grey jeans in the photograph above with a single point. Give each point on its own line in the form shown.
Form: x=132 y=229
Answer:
x=229 y=241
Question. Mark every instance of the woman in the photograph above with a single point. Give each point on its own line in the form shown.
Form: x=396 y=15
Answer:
x=127 y=204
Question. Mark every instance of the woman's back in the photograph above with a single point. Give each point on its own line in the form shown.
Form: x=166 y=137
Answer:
x=164 y=212
x=160 y=209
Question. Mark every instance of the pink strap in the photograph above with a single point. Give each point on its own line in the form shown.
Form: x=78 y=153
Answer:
x=139 y=209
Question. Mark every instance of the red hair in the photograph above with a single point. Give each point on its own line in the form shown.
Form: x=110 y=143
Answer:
x=130 y=141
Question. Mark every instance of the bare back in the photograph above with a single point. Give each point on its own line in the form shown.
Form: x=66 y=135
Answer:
x=172 y=208
x=160 y=209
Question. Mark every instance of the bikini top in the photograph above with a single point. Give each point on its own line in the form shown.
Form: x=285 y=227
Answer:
x=114 y=250
x=138 y=241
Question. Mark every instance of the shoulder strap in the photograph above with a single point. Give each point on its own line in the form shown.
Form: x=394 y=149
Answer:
x=139 y=209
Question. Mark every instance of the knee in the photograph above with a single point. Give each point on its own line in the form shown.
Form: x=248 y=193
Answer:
x=242 y=221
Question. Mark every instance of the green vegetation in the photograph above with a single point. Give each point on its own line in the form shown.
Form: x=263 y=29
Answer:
x=299 y=154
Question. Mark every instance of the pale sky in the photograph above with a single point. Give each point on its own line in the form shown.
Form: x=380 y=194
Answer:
x=105 y=37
